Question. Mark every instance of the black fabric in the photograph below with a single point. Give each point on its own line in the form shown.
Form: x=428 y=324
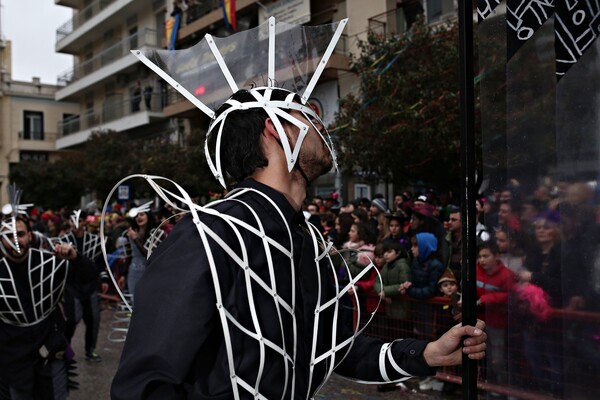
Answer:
x=20 y=360
x=175 y=347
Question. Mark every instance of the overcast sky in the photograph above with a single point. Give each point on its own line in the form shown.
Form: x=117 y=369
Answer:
x=31 y=27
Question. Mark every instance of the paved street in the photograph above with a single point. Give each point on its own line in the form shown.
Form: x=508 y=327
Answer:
x=94 y=378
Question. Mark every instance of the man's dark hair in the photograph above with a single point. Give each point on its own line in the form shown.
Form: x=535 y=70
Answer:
x=241 y=151
x=24 y=219
x=453 y=209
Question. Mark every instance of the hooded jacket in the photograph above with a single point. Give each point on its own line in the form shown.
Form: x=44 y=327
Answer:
x=426 y=269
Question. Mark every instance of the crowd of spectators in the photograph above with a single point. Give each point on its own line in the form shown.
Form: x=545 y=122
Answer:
x=538 y=256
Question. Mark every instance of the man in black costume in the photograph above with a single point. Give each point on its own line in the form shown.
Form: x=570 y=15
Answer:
x=242 y=300
x=33 y=364
x=238 y=302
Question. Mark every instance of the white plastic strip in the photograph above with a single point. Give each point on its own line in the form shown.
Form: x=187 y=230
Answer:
x=313 y=80
x=382 y=355
x=203 y=107
x=271 y=70
x=221 y=62
x=393 y=363
x=13 y=316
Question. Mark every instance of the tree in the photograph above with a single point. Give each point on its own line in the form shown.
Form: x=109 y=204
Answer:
x=108 y=157
x=46 y=184
x=405 y=123
x=116 y=157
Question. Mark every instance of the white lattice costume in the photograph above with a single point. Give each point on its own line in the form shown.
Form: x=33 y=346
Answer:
x=241 y=300
x=32 y=345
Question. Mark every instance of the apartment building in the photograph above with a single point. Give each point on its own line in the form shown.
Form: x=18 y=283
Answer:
x=106 y=79
x=29 y=120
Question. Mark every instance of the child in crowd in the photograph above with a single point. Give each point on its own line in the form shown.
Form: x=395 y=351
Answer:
x=365 y=287
x=448 y=287
x=426 y=269
x=449 y=315
x=395 y=272
x=494 y=284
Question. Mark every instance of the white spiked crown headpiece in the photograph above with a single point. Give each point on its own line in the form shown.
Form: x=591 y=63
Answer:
x=283 y=56
x=8 y=229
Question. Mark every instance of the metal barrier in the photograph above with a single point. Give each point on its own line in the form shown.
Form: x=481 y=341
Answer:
x=558 y=358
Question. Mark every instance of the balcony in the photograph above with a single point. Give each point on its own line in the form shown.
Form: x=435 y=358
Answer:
x=116 y=114
x=199 y=10
x=389 y=23
x=33 y=142
x=109 y=62
x=199 y=17
x=69 y=36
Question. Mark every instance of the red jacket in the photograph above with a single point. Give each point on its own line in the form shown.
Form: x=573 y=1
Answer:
x=492 y=291
x=371 y=298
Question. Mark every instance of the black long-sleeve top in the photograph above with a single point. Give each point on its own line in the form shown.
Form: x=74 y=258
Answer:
x=29 y=315
x=284 y=342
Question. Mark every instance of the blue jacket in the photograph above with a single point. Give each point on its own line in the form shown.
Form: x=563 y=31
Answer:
x=426 y=269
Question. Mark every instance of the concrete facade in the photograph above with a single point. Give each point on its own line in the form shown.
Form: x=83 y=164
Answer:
x=29 y=120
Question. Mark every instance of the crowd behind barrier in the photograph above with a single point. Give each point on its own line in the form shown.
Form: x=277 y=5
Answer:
x=576 y=343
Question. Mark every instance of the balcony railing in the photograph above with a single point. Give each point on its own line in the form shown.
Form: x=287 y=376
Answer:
x=391 y=22
x=146 y=38
x=201 y=9
x=80 y=17
x=35 y=136
x=112 y=110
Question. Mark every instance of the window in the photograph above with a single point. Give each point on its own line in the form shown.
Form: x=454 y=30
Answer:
x=362 y=190
x=434 y=10
x=33 y=125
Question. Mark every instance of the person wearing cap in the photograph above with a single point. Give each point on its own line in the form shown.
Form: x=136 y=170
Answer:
x=449 y=314
x=448 y=287
x=240 y=301
x=378 y=207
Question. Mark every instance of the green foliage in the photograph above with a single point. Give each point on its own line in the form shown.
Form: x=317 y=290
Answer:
x=405 y=124
x=47 y=184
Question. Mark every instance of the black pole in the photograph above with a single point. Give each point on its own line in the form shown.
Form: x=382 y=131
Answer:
x=468 y=187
